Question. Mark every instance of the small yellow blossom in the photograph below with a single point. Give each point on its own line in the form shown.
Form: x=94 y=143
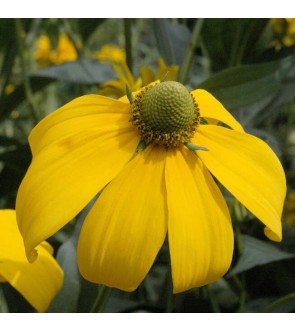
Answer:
x=38 y=282
x=9 y=88
x=65 y=50
x=46 y=56
x=43 y=51
x=117 y=87
x=284 y=29
x=155 y=159
x=111 y=53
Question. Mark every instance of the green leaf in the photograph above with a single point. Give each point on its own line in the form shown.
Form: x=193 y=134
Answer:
x=229 y=42
x=67 y=298
x=87 y=26
x=82 y=71
x=257 y=252
x=172 y=40
x=244 y=85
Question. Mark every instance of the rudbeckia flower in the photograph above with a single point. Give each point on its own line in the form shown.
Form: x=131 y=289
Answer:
x=38 y=282
x=155 y=158
x=111 y=53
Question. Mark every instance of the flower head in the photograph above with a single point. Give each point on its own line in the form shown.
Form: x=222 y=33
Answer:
x=111 y=53
x=154 y=159
x=46 y=55
x=38 y=282
x=117 y=87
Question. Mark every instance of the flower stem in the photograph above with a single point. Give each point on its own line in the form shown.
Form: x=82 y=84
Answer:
x=128 y=42
x=27 y=84
x=190 y=51
x=101 y=300
x=271 y=307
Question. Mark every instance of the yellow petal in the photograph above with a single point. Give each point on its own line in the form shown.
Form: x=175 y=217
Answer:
x=211 y=108
x=38 y=282
x=90 y=112
x=65 y=175
x=126 y=227
x=199 y=226
x=249 y=169
x=147 y=75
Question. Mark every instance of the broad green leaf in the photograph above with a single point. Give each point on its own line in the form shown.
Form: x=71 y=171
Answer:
x=172 y=40
x=67 y=298
x=257 y=252
x=229 y=42
x=244 y=85
x=82 y=71
x=87 y=26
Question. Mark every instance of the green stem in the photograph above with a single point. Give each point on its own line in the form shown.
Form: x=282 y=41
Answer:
x=190 y=51
x=128 y=42
x=101 y=300
x=271 y=307
x=27 y=84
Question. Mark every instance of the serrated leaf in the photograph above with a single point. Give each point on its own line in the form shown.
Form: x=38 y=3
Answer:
x=82 y=71
x=244 y=85
x=67 y=298
x=172 y=40
x=257 y=252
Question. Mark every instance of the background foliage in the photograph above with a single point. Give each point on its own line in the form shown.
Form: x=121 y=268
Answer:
x=248 y=64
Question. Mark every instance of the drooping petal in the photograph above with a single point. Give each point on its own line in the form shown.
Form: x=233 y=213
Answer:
x=90 y=112
x=126 y=227
x=38 y=282
x=249 y=169
x=211 y=108
x=65 y=175
x=199 y=226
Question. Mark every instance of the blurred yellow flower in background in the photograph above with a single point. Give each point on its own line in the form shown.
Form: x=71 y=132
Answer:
x=284 y=29
x=43 y=51
x=38 y=282
x=45 y=55
x=111 y=53
x=117 y=88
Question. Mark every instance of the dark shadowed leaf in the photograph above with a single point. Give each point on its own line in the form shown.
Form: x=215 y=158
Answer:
x=244 y=85
x=67 y=299
x=87 y=26
x=83 y=71
x=172 y=40
x=257 y=252
x=235 y=41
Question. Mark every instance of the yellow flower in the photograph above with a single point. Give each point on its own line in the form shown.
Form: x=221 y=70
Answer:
x=65 y=50
x=284 y=29
x=148 y=76
x=43 y=51
x=45 y=55
x=117 y=88
x=111 y=53
x=38 y=282
x=96 y=142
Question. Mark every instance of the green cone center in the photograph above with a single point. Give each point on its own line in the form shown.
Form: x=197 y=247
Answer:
x=165 y=114
x=168 y=107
